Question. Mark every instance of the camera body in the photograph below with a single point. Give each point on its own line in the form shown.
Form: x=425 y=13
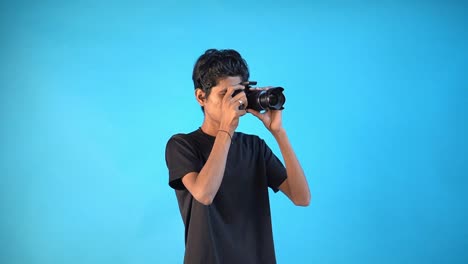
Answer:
x=263 y=100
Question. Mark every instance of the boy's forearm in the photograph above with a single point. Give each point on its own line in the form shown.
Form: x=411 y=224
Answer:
x=297 y=181
x=211 y=175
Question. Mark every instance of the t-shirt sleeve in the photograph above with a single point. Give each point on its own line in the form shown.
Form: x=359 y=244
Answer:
x=181 y=158
x=275 y=170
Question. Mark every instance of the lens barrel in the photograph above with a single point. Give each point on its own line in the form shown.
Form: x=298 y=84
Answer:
x=261 y=100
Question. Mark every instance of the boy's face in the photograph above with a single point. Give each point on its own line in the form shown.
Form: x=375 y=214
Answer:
x=213 y=103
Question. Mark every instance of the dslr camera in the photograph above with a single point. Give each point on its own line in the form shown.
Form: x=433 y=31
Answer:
x=262 y=100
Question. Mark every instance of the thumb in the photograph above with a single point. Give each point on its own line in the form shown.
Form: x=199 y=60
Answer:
x=255 y=113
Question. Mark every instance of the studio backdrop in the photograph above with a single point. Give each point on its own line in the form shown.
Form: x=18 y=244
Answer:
x=376 y=110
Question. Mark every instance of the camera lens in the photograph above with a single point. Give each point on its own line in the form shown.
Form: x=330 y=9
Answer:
x=272 y=99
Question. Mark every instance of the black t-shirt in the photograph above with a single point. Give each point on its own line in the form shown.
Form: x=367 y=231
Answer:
x=236 y=227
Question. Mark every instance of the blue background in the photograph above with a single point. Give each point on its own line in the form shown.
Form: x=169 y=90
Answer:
x=376 y=110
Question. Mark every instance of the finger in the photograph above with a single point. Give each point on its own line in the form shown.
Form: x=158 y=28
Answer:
x=241 y=98
x=241 y=112
x=234 y=88
x=230 y=90
x=255 y=113
x=238 y=104
x=241 y=103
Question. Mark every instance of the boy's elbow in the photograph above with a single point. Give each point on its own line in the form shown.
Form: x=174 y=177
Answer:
x=204 y=198
x=206 y=201
x=303 y=202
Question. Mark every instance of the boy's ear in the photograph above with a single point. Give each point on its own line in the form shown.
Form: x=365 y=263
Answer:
x=200 y=95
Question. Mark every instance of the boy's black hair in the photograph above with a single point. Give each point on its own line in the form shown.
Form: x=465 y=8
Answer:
x=215 y=65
